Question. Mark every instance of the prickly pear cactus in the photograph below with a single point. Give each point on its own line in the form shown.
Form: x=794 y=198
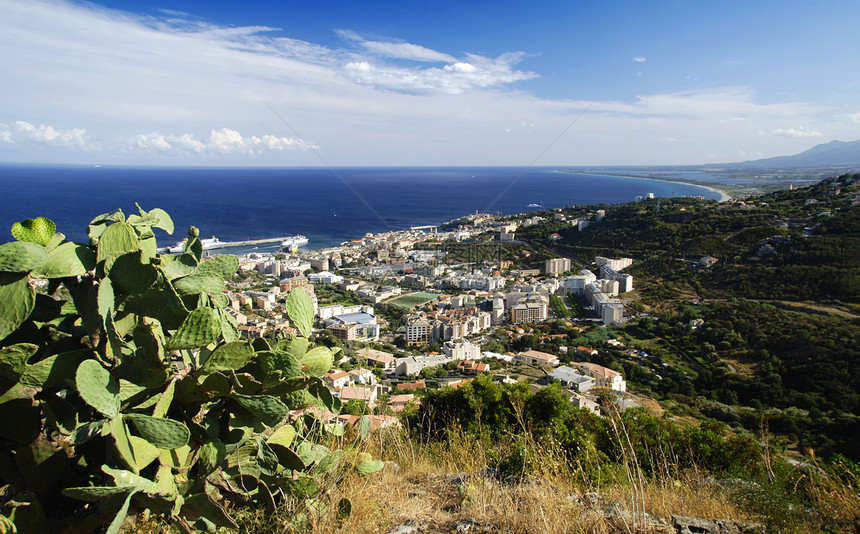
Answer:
x=125 y=383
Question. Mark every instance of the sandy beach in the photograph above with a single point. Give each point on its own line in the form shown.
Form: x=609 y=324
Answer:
x=724 y=196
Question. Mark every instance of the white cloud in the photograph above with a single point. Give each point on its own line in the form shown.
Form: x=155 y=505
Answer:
x=453 y=79
x=640 y=59
x=221 y=141
x=20 y=131
x=101 y=77
x=797 y=132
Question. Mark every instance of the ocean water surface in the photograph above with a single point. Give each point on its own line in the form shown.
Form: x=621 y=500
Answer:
x=327 y=205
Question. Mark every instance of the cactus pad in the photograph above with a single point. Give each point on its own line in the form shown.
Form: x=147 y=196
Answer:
x=230 y=356
x=68 y=259
x=223 y=266
x=200 y=328
x=161 y=432
x=98 y=388
x=117 y=239
x=317 y=361
x=22 y=257
x=301 y=311
x=268 y=409
x=39 y=230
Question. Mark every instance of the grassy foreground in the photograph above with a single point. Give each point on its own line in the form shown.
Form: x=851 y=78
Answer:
x=446 y=487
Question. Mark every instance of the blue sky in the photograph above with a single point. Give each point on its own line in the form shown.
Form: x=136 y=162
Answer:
x=424 y=83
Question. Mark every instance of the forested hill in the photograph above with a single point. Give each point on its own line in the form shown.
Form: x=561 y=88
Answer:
x=780 y=309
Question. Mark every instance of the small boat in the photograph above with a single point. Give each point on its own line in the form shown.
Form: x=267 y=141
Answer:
x=533 y=205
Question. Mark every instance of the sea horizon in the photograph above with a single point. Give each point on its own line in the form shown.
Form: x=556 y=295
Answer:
x=330 y=205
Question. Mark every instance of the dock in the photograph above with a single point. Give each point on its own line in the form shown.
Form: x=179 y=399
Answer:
x=254 y=242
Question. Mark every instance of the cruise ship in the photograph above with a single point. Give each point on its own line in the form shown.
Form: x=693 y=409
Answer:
x=209 y=243
x=292 y=244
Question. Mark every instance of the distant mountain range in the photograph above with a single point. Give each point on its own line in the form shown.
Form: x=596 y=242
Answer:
x=832 y=154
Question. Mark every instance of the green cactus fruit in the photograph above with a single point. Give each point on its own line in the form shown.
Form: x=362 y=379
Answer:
x=317 y=361
x=161 y=432
x=228 y=357
x=199 y=283
x=68 y=259
x=98 y=388
x=268 y=409
x=200 y=328
x=117 y=239
x=39 y=230
x=22 y=257
x=13 y=359
x=17 y=300
x=300 y=308
x=130 y=275
x=368 y=467
x=223 y=266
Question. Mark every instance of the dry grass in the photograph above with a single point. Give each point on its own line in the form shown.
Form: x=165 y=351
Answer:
x=438 y=486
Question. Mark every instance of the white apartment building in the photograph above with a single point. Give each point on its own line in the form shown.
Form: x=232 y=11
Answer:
x=557 y=265
x=461 y=350
x=625 y=281
x=619 y=265
x=576 y=284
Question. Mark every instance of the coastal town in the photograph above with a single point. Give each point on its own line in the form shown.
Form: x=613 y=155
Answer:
x=410 y=311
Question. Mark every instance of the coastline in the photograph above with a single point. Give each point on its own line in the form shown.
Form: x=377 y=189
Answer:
x=724 y=196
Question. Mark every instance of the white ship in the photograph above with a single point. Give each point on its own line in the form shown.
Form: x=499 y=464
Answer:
x=209 y=243
x=295 y=241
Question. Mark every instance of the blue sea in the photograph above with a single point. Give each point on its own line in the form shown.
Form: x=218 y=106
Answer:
x=328 y=205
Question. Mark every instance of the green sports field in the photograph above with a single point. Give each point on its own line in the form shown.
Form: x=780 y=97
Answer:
x=413 y=299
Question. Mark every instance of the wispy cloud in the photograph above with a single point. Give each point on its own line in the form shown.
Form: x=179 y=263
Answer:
x=138 y=88
x=797 y=132
x=397 y=49
x=640 y=59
